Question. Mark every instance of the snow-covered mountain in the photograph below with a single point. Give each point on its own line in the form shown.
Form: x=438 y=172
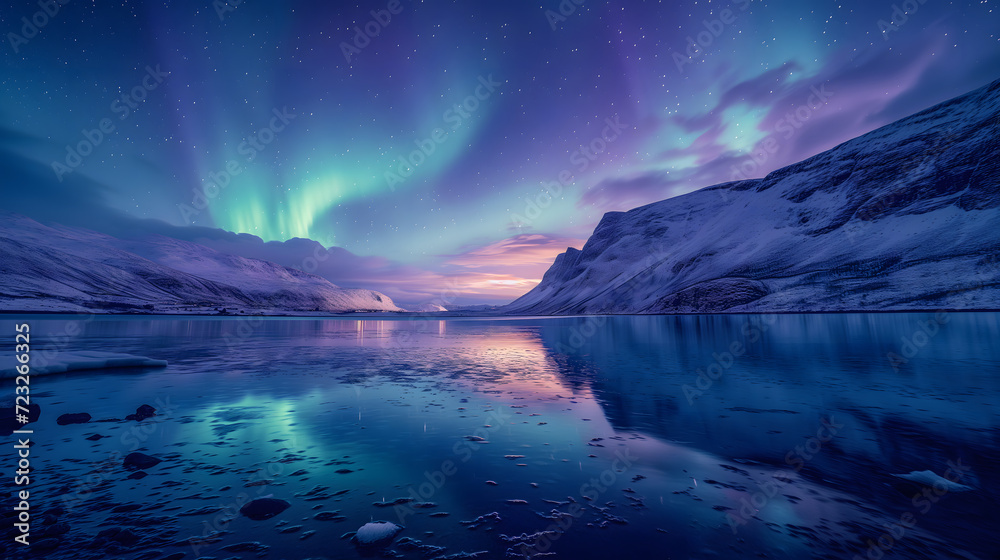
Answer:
x=429 y=308
x=45 y=268
x=904 y=217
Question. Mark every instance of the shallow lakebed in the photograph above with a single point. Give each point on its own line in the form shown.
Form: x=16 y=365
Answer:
x=788 y=436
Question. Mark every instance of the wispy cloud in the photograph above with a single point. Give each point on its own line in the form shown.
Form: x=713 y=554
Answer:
x=865 y=92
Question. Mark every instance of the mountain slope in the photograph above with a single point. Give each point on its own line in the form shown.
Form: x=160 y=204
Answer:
x=62 y=269
x=904 y=217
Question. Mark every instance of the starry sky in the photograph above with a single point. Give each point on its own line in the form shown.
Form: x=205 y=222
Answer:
x=444 y=145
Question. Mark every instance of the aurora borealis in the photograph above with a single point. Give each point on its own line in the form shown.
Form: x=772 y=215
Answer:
x=459 y=143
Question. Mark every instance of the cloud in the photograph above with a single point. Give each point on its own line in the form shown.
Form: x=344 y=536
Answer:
x=527 y=250
x=511 y=266
x=863 y=93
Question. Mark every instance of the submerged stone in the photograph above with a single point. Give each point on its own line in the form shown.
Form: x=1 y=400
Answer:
x=140 y=461
x=143 y=412
x=396 y=502
x=264 y=508
x=76 y=418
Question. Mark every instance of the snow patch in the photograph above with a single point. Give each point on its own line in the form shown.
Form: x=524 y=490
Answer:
x=929 y=478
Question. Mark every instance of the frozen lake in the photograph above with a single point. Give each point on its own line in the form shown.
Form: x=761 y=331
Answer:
x=683 y=437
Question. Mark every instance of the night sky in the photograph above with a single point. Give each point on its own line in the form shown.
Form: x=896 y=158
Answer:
x=625 y=103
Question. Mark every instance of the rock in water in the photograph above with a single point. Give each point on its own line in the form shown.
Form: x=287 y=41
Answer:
x=264 y=508
x=377 y=533
x=78 y=418
x=143 y=412
x=140 y=461
x=396 y=502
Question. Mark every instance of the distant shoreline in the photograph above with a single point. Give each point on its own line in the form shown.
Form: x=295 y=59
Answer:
x=483 y=314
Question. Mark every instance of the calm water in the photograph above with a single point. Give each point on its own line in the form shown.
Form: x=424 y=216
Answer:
x=600 y=438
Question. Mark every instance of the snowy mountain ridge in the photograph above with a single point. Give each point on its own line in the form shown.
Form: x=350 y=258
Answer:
x=904 y=217
x=45 y=268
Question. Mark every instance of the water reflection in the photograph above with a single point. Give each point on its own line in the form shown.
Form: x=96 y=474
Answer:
x=807 y=411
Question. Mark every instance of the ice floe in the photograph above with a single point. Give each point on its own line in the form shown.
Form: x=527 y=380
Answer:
x=75 y=361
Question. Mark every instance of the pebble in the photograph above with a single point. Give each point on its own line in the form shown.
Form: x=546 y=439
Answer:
x=264 y=508
x=140 y=461
x=75 y=418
